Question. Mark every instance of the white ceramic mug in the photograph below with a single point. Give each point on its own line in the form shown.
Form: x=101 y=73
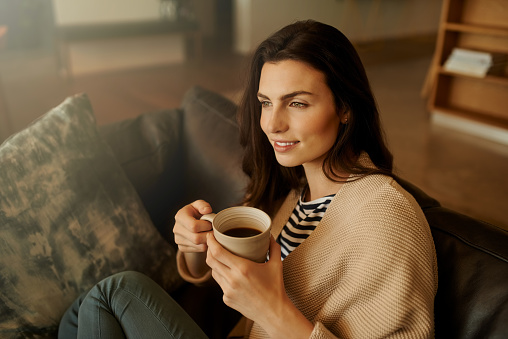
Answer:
x=242 y=230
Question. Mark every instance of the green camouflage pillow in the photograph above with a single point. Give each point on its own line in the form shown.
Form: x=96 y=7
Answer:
x=69 y=217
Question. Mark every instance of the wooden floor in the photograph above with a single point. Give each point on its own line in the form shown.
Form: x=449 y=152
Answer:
x=463 y=172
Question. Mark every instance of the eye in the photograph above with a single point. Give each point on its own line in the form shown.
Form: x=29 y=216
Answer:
x=297 y=105
x=265 y=103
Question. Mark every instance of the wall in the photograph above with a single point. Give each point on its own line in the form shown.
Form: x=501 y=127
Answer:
x=360 y=20
x=71 y=12
x=76 y=12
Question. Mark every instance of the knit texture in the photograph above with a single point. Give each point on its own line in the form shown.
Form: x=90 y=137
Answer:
x=369 y=269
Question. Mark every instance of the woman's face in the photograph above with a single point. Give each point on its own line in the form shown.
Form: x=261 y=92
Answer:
x=298 y=113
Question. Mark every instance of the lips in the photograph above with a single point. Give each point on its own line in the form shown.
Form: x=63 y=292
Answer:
x=284 y=146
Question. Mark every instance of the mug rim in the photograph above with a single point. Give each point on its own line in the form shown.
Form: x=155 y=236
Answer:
x=263 y=213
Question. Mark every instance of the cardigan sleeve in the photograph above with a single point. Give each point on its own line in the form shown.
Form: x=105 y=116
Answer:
x=379 y=275
x=185 y=274
x=389 y=282
x=321 y=332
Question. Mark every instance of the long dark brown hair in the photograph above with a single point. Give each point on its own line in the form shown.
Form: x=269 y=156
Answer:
x=326 y=49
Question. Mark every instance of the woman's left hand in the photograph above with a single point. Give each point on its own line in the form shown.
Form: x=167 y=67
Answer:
x=250 y=288
x=257 y=290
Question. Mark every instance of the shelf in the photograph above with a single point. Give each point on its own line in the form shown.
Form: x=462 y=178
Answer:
x=485 y=30
x=494 y=79
x=454 y=121
x=479 y=25
x=470 y=94
x=471 y=115
x=481 y=38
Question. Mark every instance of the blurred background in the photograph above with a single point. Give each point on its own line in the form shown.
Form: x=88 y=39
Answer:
x=136 y=56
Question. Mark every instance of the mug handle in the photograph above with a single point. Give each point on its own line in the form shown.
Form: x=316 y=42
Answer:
x=208 y=217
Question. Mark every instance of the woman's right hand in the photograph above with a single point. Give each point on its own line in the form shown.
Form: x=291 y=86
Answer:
x=190 y=232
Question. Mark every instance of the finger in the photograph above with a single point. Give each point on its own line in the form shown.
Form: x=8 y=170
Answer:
x=225 y=261
x=219 y=270
x=188 y=235
x=194 y=210
x=214 y=251
x=220 y=259
x=192 y=249
x=202 y=207
x=188 y=218
x=192 y=242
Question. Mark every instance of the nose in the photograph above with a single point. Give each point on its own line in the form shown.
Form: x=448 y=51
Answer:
x=274 y=121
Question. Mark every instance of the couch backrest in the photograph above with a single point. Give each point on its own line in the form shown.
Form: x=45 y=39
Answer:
x=149 y=149
x=472 y=297
x=176 y=156
x=212 y=149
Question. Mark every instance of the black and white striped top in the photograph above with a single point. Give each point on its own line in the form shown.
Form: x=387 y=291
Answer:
x=306 y=216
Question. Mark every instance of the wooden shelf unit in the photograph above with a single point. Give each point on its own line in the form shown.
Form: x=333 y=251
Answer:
x=480 y=25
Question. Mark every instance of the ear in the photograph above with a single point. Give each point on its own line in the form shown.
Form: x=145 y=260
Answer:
x=345 y=118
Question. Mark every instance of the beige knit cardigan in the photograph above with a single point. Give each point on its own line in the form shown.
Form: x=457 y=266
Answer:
x=368 y=270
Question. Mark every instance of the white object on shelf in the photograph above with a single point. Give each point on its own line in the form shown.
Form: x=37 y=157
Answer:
x=473 y=63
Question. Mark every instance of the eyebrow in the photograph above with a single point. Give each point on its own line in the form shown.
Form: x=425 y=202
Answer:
x=286 y=96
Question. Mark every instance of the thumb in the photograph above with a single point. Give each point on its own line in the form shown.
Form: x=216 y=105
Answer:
x=202 y=207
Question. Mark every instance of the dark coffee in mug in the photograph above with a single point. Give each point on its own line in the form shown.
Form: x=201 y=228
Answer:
x=242 y=232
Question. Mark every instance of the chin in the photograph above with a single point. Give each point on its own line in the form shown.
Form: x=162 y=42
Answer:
x=287 y=162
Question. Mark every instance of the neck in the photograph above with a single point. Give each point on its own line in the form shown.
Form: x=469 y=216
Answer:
x=319 y=185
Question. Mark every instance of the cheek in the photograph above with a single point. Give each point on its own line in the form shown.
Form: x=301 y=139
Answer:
x=325 y=137
x=326 y=130
x=334 y=128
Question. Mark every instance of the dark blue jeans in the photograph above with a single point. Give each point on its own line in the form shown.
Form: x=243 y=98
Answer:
x=127 y=305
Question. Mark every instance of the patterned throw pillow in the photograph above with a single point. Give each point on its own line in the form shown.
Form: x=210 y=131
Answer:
x=69 y=217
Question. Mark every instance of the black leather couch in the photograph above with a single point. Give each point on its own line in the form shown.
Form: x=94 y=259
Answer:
x=472 y=298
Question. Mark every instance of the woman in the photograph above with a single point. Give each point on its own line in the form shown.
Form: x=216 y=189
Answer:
x=351 y=253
